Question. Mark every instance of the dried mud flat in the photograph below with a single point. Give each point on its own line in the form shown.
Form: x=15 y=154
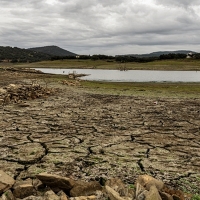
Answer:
x=94 y=136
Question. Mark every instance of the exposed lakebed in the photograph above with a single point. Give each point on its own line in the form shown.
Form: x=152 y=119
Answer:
x=89 y=136
x=93 y=136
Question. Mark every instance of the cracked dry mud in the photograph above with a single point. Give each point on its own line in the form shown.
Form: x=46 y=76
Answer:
x=90 y=136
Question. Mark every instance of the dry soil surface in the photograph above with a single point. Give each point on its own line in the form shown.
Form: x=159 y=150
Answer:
x=94 y=136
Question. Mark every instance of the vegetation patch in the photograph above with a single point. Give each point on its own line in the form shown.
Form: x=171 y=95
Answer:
x=180 y=64
x=171 y=90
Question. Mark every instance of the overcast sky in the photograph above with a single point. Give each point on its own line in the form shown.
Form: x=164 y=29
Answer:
x=101 y=26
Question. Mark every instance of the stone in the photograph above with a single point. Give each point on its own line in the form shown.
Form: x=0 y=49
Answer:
x=119 y=186
x=6 y=182
x=55 y=181
x=62 y=195
x=176 y=194
x=153 y=194
x=24 y=190
x=147 y=181
x=50 y=195
x=2 y=91
x=176 y=197
x=1 y=101
x=8 y=195
x=22 y=182
x=142 y=195
x=33 y=198
x=85 y=188
x=83 y=198
x=12 y=86
x=139 y=190
x=112 y=194
x=16 y=93
x=165 y=196
x=116 y=184
x=38 y=184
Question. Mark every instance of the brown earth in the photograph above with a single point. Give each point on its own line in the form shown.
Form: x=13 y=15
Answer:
x=95 y=136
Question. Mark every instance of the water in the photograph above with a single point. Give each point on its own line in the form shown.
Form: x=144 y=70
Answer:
x=130 y=75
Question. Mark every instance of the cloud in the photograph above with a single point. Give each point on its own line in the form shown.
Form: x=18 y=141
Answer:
x=106 y=26
x=182 y=3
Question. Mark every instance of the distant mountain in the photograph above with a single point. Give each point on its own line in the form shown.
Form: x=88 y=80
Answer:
x=158 y=53
x=53 y=51
x=15 y=54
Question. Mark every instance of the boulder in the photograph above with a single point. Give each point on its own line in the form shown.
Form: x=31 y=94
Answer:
x=24 y=190
x=6 y=182
x=116 y=184
x=142 y=195
x=119 y=186
x=50 y=195
x=147 y=181
x=165 y=196
x=112 y=194
x=55 y=181
x=176 y=194
x=85 y=188
x=62 y=195
x=140 y=191
x=153 y=194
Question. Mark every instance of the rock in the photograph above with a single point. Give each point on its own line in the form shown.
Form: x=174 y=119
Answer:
x=148 y=181
x=165 y=196
x=50 y=195
x=139 y=191
x=176 y=194
x=8 y=195
x=6 y=182
x=24 y=190
x=85 y=188
x=34 y=198
x=142 y=195
x=22 y=182
x=119 y=186
x=84 y=198
x=13 y=86
x=55 y=181
x=16 y=93
x=38 y=184
x=153 y=194
x=2 y=91
x=176 y=197
x=62 y=195
x=1 y=101
x=116 y=184
x=112 y=194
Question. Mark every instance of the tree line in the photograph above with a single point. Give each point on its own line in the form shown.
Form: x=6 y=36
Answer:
x=18 y=55
x=127 y=58
x=15 y=54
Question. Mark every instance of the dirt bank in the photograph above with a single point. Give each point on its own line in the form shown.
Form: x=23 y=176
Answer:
x=93 y=136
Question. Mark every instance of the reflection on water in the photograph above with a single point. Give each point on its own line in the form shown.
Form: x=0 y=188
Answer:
x=131 y=75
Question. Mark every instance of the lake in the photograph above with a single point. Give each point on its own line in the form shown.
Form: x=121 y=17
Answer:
x=130 y=75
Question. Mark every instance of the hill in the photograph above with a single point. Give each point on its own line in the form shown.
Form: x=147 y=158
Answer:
x=15 y=54
x=158 y=53
x=53 y=51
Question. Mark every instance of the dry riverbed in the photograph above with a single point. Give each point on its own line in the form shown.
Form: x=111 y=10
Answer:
x=94 y=136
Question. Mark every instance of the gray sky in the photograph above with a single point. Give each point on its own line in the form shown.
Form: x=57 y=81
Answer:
x=101 y=26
